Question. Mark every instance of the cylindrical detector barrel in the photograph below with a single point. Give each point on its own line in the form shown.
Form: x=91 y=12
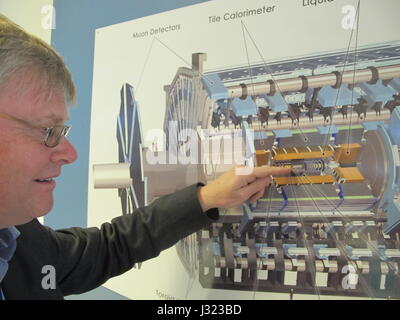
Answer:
x=309 y=167
x=111 y=176
x=370 y=74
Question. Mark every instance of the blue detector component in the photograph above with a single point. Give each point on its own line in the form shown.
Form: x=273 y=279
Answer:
x=285 y=200
x=244 y=107
x=341 y=196
x=214 y=86
x=390 y=199
x=372 y=125
x=286 y=247
x=221 y=104
x=394 y=126
x=331 y=129
x=377 y=92
x=334 y=135
x=330 y=97
x=130 y=140
x=317 y=248
x=276 y=102
x=395 y=84
x=261 y=135
x=217 y=249
x=286 y=133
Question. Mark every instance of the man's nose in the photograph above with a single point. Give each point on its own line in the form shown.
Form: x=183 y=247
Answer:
x=64 y=152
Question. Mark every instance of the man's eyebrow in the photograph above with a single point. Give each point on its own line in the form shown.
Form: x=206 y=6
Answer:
x=55 y=118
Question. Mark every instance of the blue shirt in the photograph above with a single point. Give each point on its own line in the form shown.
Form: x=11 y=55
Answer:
x=8 y=244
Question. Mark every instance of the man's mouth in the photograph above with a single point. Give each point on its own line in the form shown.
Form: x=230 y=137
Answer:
x=46 y=180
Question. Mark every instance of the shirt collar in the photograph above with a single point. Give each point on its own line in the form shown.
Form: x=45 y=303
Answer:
x=8 y=245
x=7 y=236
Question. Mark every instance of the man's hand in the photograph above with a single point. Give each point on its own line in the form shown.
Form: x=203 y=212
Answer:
x=238 y=185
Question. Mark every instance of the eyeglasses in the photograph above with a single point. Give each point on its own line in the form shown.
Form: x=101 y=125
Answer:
x=51 y=136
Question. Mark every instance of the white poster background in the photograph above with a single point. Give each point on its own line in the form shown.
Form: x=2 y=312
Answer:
x=294 y=28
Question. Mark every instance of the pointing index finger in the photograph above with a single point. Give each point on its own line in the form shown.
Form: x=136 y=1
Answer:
x=265 y=171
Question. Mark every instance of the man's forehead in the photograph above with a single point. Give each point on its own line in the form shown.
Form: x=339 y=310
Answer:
x=26 y=94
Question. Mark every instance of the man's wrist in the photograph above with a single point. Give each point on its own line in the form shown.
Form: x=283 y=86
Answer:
x=204 y=199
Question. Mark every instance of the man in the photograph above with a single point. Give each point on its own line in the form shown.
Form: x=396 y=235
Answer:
x=35 y=92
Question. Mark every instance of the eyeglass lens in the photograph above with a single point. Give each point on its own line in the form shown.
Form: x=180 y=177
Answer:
x=55 y=134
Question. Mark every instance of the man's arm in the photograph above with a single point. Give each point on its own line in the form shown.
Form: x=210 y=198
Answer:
x=89 y=257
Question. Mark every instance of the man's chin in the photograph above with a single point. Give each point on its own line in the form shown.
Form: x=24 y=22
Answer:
x=18 y=215
x=40 y=212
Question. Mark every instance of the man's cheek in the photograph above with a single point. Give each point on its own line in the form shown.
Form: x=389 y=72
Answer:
x=11 y=168
x=5 y=160
x=5 y=145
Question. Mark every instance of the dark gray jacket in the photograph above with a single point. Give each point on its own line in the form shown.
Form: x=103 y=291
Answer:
x=85 y=258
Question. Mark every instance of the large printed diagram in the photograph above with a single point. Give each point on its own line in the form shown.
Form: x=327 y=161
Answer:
x=333 y=227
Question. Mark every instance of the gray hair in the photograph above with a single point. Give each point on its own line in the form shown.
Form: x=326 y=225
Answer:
x=20 y=50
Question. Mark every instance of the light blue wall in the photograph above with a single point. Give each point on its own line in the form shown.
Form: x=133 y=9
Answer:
x=73 y=37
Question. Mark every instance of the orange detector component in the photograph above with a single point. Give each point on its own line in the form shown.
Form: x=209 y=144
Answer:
x=349 y=175
x=262 y=157
x=297 y=153
x=347 y=153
